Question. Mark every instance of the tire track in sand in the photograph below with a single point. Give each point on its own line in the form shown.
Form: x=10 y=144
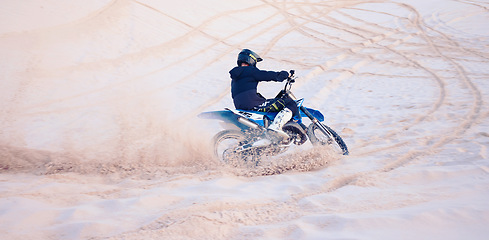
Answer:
x=469 y=119
x=443 y=139
x=336 y=82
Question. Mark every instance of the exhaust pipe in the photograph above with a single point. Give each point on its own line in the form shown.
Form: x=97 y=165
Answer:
x=248 y=123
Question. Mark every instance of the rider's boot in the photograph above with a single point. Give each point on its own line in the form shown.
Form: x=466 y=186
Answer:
x=275 y=129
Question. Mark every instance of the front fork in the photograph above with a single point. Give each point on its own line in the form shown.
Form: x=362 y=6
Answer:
x=316 y=122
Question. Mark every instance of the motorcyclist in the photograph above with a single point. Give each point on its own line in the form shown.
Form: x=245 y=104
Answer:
x=245 y=78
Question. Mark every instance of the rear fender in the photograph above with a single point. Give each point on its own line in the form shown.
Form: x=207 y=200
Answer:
x=221 y=115
x=224 y=115
x=234 y=117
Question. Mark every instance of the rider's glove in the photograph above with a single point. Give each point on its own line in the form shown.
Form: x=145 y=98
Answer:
x=291 y=73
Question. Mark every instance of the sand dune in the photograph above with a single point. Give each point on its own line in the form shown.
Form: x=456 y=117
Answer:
x=99 y=137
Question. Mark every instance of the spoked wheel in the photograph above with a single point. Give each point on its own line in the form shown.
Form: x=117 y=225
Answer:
x=227 y=149
x=321 y=135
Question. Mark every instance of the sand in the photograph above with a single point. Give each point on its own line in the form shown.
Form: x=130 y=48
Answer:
x=99 y=136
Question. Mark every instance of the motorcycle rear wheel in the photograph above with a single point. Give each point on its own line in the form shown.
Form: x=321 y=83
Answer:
x=226 y=144
x=319 y=138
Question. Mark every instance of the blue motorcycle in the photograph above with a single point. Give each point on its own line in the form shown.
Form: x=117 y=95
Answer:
x=237 y=144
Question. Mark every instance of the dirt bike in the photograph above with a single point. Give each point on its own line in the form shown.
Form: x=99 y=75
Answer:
x=244 y=128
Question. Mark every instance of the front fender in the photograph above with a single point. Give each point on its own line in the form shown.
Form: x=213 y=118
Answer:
x=315 y=113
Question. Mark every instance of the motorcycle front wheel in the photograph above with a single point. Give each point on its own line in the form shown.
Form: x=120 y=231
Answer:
x=227 y=149
x=321 y=135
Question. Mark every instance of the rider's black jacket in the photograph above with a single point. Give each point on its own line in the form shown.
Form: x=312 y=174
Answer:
x=244 y=85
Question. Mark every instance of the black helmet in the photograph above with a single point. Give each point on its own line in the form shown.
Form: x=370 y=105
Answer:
x=248 y=56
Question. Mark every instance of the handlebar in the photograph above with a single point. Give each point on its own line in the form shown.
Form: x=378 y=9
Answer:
x=290 y=80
